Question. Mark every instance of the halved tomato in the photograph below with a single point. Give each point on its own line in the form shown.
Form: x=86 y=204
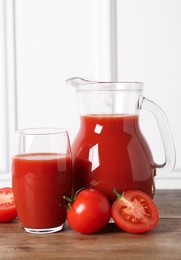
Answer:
x=7 y=205
x=135 y=212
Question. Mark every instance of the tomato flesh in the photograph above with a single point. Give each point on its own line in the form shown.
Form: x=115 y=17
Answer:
x=135 y=212
x=7 y=205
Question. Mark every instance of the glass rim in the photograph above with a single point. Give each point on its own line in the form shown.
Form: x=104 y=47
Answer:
x=41 y=131
x=110 y=86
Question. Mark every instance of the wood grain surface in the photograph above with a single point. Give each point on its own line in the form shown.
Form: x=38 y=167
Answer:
x=164 y=242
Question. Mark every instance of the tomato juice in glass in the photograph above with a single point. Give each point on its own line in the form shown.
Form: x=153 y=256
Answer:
x=110 y=152
x=39 y=182
x=41 y=176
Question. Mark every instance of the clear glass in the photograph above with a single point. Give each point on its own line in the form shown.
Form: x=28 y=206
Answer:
x=107 y=97
x=41 y=176
x=110 y=150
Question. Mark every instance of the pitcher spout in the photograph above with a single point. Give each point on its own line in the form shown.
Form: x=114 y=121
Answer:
x=76 y=81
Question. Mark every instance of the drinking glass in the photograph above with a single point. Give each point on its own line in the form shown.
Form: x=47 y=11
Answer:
x=41 y=176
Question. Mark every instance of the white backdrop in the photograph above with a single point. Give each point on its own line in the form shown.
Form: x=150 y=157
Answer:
x=148 y=48
x=57 y=39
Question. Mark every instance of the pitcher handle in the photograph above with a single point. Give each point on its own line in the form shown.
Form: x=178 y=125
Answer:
x=167 y=139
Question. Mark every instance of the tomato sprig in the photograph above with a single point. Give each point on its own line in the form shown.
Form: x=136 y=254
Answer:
x=135 y=212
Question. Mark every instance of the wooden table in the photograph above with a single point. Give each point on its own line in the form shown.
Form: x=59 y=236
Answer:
x=164 y=242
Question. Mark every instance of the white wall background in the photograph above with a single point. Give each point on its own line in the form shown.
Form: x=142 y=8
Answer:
x=149 y=50
x=57 y=39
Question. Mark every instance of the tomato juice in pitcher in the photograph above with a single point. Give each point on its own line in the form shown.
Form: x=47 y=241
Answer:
x=110 y=150
x=112 y=154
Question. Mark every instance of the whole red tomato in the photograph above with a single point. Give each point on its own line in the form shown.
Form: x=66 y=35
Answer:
x=135 y=212
x=89 y=212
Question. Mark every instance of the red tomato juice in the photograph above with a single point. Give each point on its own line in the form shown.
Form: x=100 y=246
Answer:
x=110 y=152
x=39 y=182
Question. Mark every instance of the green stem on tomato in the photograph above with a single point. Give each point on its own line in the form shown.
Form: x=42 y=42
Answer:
x=119 y=196
x=70 y=200
x=126 y=201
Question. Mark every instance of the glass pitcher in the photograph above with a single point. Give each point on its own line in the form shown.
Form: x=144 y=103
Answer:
x=110 y=150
